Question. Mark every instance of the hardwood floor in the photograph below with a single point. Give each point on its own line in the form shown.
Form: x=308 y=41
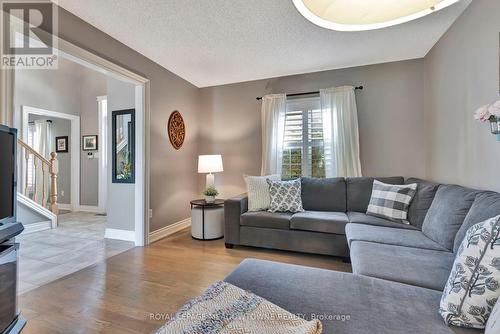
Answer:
x=133 y=291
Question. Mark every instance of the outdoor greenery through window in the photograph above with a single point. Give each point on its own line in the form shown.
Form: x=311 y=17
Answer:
x=303 y=143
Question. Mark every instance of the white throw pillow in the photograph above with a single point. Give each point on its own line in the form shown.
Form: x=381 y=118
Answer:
x=258 y=191
x=286 y=196
x=474 y=283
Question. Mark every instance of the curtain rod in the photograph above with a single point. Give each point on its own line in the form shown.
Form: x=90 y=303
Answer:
x=309 y=93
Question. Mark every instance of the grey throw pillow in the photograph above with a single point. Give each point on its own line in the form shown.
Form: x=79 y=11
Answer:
x=390 y=201
x=285 y=196
x=474 y=283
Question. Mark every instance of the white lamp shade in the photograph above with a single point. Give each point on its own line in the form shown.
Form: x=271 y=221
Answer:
x=210 y=164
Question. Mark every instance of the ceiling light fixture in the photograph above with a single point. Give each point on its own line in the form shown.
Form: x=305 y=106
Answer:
x=349 y=15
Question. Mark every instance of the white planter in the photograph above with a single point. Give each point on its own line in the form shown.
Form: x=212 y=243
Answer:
x=209 y=199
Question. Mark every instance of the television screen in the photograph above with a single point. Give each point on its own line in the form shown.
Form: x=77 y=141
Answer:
x=7 y=163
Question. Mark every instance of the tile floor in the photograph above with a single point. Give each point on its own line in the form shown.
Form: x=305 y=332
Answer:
x=77 y=242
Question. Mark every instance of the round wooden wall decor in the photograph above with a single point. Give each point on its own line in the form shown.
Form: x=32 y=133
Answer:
x=176 y=129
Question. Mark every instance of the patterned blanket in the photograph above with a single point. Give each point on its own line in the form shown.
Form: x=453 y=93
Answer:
x=224 y=309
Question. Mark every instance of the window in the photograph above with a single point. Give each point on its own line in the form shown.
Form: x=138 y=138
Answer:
x=303 y=153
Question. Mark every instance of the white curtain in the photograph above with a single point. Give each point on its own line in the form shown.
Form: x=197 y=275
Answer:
x=42 y=143
x=340 y=132
x=273 y=132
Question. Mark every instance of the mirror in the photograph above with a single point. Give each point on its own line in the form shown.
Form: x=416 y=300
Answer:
x=123 y=146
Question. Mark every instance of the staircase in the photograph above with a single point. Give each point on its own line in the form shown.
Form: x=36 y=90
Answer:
x=38 y=200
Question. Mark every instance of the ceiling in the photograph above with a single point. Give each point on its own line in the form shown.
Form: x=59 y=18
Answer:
x=215 y=42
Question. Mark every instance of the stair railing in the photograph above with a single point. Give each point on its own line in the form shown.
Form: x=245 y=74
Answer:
x=45 y=166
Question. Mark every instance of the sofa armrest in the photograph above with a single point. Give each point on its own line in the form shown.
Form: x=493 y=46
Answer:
x=233 y=209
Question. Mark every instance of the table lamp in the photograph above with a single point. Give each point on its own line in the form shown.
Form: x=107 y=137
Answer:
x=210 y=164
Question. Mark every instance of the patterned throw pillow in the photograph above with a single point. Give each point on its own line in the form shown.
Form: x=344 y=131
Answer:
x=258 y=191
x=391 y=201
x=474 y=283
x=285 y=196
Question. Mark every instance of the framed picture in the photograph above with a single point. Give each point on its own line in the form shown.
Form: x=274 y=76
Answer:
x=62 y=144
x=89 y=143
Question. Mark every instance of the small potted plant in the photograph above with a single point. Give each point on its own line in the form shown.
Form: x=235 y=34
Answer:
x=210 y=193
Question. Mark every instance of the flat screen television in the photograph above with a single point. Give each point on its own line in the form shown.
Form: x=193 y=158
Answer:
x=8 y=144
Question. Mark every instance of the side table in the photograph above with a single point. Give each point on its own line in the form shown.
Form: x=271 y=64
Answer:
x=207 y=220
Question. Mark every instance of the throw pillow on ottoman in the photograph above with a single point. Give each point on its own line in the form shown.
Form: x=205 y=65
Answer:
x=474 y=283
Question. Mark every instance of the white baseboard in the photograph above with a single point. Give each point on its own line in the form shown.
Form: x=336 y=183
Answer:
x=169 y=230
x=37 y=227
x=125 y=235
x=65 y=206
x=88 y=208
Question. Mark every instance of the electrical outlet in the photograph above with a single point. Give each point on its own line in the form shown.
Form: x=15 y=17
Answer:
x=150 y=213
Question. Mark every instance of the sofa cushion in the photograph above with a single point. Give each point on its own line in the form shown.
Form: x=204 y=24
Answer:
x=258 y=191
x=286 y=196
x=420 y=267
x=320 y=221
x=361 y=305
x=359 y=191
x=324 y=194
x=486 y=205
x=447 y=213
x=280 y=220
x=422 y=201
x=390 y=236
x=390 y=201
x=363 y=218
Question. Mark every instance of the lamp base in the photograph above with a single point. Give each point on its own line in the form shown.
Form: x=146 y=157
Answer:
x=210 y=180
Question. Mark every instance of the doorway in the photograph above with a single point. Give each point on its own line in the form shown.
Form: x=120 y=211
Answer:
x=139 y=227
x=60 y=125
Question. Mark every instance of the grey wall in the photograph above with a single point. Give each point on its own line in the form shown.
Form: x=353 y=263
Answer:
x=461 y=74
x=93 y=84
x=55 y=90
x=121 y=196
x=390 y=119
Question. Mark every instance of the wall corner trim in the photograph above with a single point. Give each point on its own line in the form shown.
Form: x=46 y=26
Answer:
x=125 y=235
x=169 y=230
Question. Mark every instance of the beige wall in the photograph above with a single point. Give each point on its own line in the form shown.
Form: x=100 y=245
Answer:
x=461 y=74
x=390 y=119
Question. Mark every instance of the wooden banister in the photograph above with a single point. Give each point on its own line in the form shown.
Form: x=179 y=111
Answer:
x=32 y=151
x=51 y=165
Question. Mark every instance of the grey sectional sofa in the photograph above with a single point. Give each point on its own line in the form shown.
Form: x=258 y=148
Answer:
x=399 y=271
x=330 y=205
